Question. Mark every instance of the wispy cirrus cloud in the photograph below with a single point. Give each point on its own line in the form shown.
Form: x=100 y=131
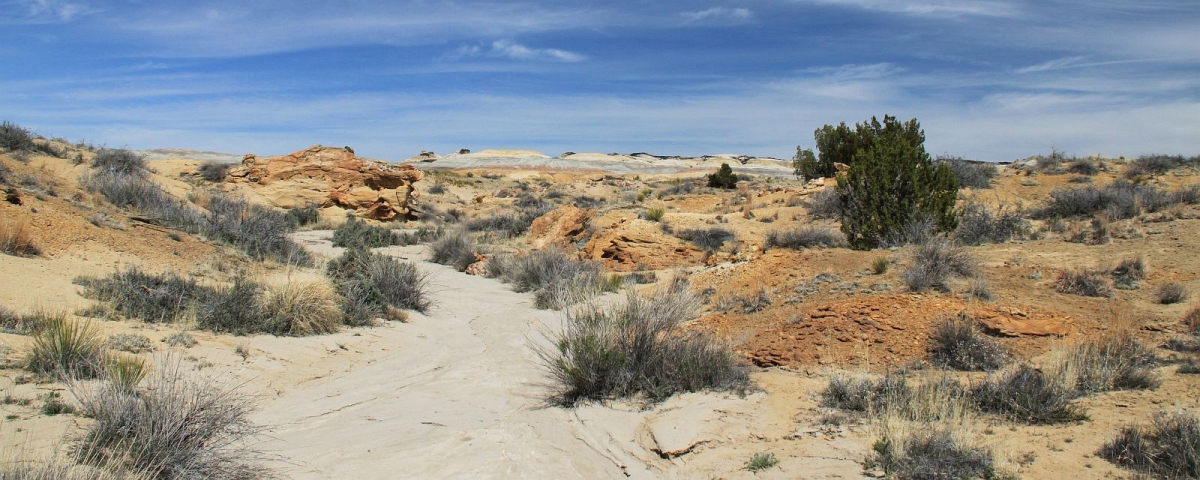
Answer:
x=719 y=15
x=930 y=8
x=516 y=51
x=45 y=11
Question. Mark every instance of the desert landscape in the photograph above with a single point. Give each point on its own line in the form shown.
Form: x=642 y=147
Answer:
x=508 y=314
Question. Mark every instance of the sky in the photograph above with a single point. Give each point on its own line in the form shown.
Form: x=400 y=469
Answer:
x=993 y=80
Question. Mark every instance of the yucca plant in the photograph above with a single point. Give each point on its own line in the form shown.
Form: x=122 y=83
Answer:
x=125 y=371
x=66 y=348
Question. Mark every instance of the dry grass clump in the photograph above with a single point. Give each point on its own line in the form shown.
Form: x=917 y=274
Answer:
x=66 y=349
x=174 y=426
x=806 y=237
x=1191 y=320
x=1169 y=447
x=1085 y=282
x=638 y=348
x=297 y=307
x=1115 y=361
x=936 y=262
x=16 y=238
x=1171 y=293
x=957 y=343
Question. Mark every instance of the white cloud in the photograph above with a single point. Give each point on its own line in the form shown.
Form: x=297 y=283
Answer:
x=931 y=8
x=516 y=51
x=52 y=11
x=719 y=15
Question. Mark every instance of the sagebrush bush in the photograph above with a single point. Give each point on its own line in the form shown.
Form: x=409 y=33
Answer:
x=120 y=162
x=66 y=349
x=215 y=171
x=1157 y=164
x=356 y=233
x=136 y=192
x=800 y=238
x=25 y=324
x=15 y=138
x=638 y=348
x=371 y=284
x=259 y=231
x=16 y=238
x=1169 y=447
x=155 y=298
x=1191 y=320
x=825 y=204
x=437 y=189
x=300 y=217
x=1085 y=282
x=1171 y=293
x=514 y=223
x=936 y=262
x=234 y=309
x=454 y=247
x=175 y=426
x=129 y=342
x=1026 y=394
x=979 y=224
x=707 y=239
x=556 y=277
x=1129 y=273
x=1118 y=200
x=957 y=343
x=969 y=173
x=1083 y=166
x=862 y=394
x=928 y=453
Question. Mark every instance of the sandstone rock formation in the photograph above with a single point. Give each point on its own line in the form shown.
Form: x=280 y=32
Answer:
x=331 y=176
x=633 y=244
x=558 y=227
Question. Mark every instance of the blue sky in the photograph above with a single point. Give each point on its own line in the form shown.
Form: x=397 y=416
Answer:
x=989 y=79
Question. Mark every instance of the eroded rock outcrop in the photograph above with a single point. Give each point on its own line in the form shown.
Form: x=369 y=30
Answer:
x=632 y=244
x=332 y=176
x=559 y=226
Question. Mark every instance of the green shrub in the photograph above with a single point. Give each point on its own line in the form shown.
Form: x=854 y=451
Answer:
x=1169 y=447
x=879 y=266
x=655 y=214
x=724 y=178
x=891 y=183
x=761 y=461
x=638 y=348
x=357 y=234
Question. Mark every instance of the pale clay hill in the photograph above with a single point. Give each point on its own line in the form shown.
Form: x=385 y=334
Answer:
x=460 y=390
